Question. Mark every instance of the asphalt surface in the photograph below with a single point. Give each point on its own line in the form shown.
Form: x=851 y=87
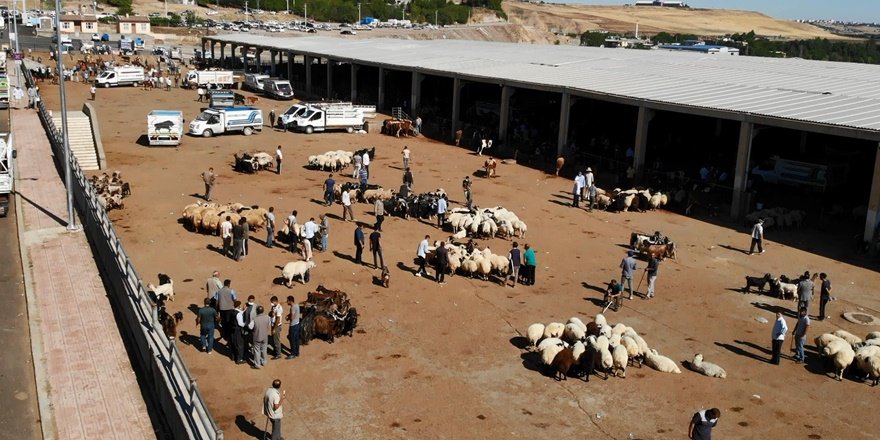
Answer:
x=19 y=419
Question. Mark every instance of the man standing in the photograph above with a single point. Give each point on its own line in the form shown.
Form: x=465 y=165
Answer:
x=209 y=177
x=250 y=313
x=590 y=188
x=515 y=258
x=418 y=125
x=358 y=244
x=376 y=248
x=379 y=209
x=482 y=147
x=238 y=334
x=824 y=296
x=702 y=423
x=272 y=400
x=93 y=90
x=366 y=161
x=213 y=285
x=262 y=329
x=805 y=292
x=757 y=237
x=245 y=236
x=276 y=312
x=651 y=270
x=405 y=157
x=408 y=178
x=17 y=95
x=441 y=256
x=441 y=211
x=531 y=264
x=466 y=187
x=363 y=178
x=291 y=228
x=278 y=158
x=310 y=229
x=346 y=206
x=628 y=268
x=422 y=256
x=201 y=92
x=779 y=330
x=325 y=232
x=272 y=118
x=238 y=240
x=800 y=335
x=226 y=235
x=458 y=134
x=225 y=299
x=205 y=319
x=32 y=97
x=577 y=189
x=295 y=329
x=328 y=189
x=356 y=160
x=270 y=226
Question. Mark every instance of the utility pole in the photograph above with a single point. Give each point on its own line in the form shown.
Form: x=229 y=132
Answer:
x=166 y=9
x=68 y=177
x=435 y=18
x=17 y=48
x=245 y=8
x=288 y=7
x=359 y=13
x=306 y=12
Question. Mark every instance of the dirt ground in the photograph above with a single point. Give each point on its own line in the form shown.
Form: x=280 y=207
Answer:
x=431 y=361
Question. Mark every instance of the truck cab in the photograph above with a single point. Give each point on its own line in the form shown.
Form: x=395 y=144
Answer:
x=255 y=81
x=278 y=89
x=220 y=99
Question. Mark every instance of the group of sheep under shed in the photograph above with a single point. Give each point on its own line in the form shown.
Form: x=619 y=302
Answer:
x=486 y=223
x=583 y=349
x=110 y=190
x=206 y=217
x=331 y=160
x=633 y=199
x=777 y=217
x=843 y=348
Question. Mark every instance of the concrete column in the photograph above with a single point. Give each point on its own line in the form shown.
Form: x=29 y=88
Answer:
x=205 y=49
x=222 y=53
x=272 y=63
x=564 y=110
x=456 y=104
x=415 y=93
x=641 y=144
x=381 y=103
x=329 y=78
x=504 y=119
x=258 y=61
x=291 y=58
x=741 y=174
x=874 y=200
x=307 y=61
x=354 y=82
x=232 y=48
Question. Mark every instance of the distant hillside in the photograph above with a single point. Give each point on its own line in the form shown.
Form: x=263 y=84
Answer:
x=580 y=18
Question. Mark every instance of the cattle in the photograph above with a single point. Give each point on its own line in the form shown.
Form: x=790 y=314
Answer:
x=332 y=326
x=662 y=251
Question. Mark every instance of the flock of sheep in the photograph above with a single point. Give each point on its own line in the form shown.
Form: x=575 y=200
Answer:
x=331 y=160
x=582 y=349
x=630 y=200
x=486 y=223
x=844 y=348
x=479 y=263
x=206 y=217
x=111 y=190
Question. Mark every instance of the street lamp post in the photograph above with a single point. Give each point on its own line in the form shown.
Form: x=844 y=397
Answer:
x=68 y=177
x=17 y=48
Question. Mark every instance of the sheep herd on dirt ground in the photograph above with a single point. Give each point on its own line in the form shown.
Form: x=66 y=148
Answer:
x=581 y=350
x=844 y=350
x=206 y=217
x=641 y=200
x=337 y=160
x=111 y=190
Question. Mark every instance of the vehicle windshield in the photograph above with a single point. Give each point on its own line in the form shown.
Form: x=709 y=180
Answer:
x=293 y=111
x=104 y=75
x=203 y=117
x=283 y=87
x=308 y=113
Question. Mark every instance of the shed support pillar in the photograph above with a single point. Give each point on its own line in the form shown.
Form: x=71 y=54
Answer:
x=307 y=61
x=641 y=144
x=354 y=82
x=564 y=111
x=291 y=58
x=416 y=94
x=329 y=78
x=874 y=200
x=273 y=63
x=741 y=175
x=205 y=52
x=381 y=100
x=258 y=63
x=456 y=104
x=504 y=118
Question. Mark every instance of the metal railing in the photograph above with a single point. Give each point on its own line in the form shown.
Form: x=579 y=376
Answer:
x=172 y=387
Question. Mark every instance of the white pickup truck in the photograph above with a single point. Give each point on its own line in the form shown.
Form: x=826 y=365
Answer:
x=7 y=162
x=330 y=118
x=225 y=120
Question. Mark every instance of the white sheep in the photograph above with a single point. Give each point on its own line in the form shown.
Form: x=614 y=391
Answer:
x=872 y=335
x=707 y=368
x=661 y=363
x=573 y=333
x=870 y=364
x=823 y=340
x=579 y=323
x=549 y=353
x=554 y=330
x=618 y=329
x=166 y=290
x=614 y=339
x=643 y=346
x=847 y=336
x=842 y=354
x=632 y=349
x=535 y=332
x=606 y=358
x=296 y=269
x=551 y=341
x=602 y=342
x=620 y=358
x=600 y=320
x=577 y=350
x=786 y=289
x=605 y=330
x=873 y=342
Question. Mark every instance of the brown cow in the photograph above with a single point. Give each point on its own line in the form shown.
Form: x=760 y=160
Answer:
x=662 y=251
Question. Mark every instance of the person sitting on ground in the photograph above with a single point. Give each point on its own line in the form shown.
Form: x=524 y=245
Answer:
x=613 y=295
x=658 y=238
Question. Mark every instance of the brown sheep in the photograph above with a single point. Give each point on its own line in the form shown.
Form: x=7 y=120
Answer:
x=562 y=363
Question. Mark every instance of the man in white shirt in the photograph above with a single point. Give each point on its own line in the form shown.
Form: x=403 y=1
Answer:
x=366 y=162
x=291 y=229
x=441 y=211
x=272 y=400
x=278 y=158
x=346 y=206
x=757 y=237
x=405 y=157
x=590 y=189
x=779 y=330
x=422 y=255
x=579 y=182
x=226 y=235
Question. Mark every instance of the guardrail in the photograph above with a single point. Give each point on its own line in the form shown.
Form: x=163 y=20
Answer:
x=171 y=386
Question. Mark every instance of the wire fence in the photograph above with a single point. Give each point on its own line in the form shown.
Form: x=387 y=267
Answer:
x=172 y=387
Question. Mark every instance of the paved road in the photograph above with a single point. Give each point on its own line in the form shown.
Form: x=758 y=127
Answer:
x=19 y=419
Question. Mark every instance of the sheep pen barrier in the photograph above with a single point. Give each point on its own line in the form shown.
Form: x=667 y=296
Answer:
x=171 y=388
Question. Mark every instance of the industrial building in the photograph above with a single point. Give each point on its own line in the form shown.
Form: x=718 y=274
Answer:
x=662 y=113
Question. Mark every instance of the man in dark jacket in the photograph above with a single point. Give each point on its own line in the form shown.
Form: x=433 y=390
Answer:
x=358 y=244
x=441 y=262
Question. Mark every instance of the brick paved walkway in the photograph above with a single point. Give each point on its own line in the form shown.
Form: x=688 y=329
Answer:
x=92 y=390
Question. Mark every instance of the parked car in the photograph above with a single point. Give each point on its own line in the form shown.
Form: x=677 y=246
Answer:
x=96 y=37
x=347 y=32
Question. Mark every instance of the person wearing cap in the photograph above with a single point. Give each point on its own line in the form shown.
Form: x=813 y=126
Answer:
x=627 y=269
x=757 y=237
x=590 y=189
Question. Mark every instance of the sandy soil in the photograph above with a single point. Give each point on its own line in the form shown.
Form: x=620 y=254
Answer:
x=432 y=361
x=580 y=18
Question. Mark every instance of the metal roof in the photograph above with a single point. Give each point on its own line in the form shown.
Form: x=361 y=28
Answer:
x=805 y=91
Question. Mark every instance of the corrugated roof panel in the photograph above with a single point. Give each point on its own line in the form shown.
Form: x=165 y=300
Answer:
x=844 y=94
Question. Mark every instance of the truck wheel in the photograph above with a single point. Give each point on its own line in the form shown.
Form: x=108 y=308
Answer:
x=207 y=133
x=350 y=130
x=248 y=131
x=310 y=129
x=106 y=85
x=134 y=84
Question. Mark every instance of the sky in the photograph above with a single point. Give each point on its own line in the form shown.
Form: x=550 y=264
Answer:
x=850 y=10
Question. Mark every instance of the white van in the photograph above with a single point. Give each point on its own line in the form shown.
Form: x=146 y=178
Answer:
x=254 y=81
x=122 y=75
